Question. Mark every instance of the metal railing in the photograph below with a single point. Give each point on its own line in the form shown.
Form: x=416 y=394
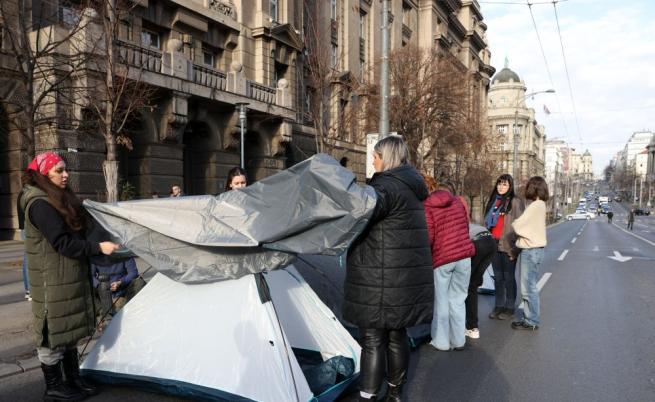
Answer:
x=260 y=92
x=138 y=56
x=209 y=77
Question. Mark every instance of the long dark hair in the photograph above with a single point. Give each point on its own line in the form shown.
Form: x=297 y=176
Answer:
x=506 y=198
x=234 y=172
x=63 y=200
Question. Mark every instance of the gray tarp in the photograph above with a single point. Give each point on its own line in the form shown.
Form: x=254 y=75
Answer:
x=315 y=207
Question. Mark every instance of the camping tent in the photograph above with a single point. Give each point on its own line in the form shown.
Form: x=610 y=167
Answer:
x=231 y=340
x=207 y=326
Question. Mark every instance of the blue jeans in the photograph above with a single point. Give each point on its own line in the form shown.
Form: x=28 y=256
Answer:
x=531 y=259
x=451 y=282
x=26 y=282
x=504 y=280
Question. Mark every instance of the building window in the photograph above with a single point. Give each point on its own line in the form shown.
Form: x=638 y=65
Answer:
x=68 y=16
x=502 y=128
x=125 y=30
x=334 y=55
x=279 y=72
x=362 y=25
x=333 y=9
x=150 y=39
x=273 y=9
x=208 y=58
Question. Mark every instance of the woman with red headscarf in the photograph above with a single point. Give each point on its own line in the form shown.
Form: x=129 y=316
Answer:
x=57 y=252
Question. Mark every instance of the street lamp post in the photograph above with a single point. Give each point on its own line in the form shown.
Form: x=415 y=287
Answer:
x=517 y=132
x=384 y=73
x=242 y=120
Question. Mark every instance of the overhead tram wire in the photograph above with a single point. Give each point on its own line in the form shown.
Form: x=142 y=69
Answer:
x=550 y=76
x=566 y=69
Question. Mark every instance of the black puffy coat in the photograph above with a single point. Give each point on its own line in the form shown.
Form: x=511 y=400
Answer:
x=389 y=279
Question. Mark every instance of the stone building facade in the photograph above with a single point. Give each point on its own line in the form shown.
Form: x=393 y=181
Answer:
x=508 y=115
x=205 y=57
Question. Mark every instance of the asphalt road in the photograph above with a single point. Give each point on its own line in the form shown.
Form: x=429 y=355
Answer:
x=595 y=342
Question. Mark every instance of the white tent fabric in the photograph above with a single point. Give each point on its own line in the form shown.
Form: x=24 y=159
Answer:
x=219 y=339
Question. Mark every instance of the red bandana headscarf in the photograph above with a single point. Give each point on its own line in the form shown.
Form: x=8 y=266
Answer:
x=44 y=162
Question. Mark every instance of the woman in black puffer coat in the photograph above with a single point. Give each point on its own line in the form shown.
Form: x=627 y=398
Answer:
x=389 y=281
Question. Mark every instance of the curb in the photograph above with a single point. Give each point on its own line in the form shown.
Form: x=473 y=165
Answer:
x=21 y=366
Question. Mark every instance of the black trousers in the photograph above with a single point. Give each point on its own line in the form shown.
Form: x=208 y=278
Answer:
x=383 y=348
x=485 y=249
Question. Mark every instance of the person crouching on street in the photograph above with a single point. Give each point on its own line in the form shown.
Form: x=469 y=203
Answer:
x=452 y=250
x=57 y=252
x=485 y=250
x=388 y=284
x=530 y=228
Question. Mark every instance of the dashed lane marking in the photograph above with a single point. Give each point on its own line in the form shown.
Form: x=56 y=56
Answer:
x=574 y=239
x=563 y=255
x=595 y=248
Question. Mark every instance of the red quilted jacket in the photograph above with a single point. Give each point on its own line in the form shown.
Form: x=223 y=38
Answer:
x=448 y=228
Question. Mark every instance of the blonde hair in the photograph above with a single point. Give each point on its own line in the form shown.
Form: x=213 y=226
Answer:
x=393 y=152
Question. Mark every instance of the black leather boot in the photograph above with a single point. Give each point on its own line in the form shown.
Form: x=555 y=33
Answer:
x=55 y=388
x=71 y=364
x=395 y=393
x=397 y=364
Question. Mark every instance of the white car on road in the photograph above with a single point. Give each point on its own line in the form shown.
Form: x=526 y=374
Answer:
x=580 y=215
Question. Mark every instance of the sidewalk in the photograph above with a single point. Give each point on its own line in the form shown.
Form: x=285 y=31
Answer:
x=17 y=351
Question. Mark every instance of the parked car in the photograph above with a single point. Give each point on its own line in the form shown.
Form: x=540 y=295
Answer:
x=618 y=199
x=642 y=211
x=580 y=215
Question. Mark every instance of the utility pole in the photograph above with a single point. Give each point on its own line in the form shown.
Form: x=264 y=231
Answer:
x=384 y=73
x=515 y=160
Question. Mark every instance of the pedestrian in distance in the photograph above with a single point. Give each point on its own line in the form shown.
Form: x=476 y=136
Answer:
x=631 y=218
x=502 y=208
x=176 y=191
x=389 y=284
x=530 y=228
x=452 y=249
x=610 y=215
x=236 y=178
x=62 y=302
x=485 y=250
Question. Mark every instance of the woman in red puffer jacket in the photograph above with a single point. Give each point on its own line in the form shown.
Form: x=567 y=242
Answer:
x=452 y=250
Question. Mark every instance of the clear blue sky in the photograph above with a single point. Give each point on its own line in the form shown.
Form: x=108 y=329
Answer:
x=610 y=52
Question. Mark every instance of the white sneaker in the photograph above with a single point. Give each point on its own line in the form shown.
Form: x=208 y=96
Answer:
x=473 y=333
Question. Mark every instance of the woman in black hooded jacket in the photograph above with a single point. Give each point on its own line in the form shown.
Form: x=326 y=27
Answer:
x=389 y=281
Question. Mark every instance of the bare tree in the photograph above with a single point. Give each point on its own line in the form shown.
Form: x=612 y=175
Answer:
x=120 y=92
x=329 y=107
x=48 y=47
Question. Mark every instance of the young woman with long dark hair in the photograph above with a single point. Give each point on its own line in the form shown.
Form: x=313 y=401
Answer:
x=57 y=253
x=502 y=208
x=236 y=178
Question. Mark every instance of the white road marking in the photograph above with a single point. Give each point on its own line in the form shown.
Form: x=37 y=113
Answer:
x=540 y=284
x=618 y=257
x=563 y=255
x=595 y=248
x=635 y=249
x=573 y=239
